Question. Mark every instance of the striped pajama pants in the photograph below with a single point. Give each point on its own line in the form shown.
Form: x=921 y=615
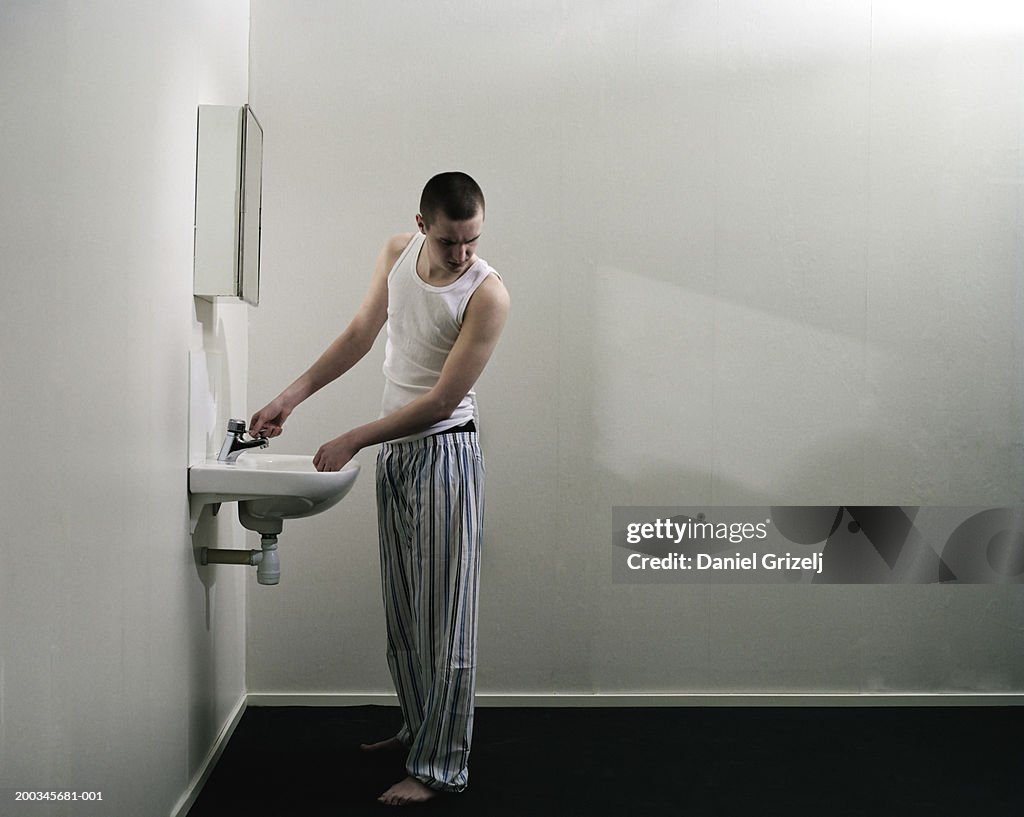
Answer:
x=430 y=504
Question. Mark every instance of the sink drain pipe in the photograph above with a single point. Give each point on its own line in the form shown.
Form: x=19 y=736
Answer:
x=268 y=570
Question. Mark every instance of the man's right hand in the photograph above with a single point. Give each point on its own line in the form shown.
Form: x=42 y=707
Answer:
x=269 y=420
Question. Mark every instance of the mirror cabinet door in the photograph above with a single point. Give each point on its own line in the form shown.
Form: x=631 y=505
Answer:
x=229 y=163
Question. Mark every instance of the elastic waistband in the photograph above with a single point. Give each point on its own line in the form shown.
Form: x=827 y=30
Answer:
x=468 y=426
x=463 y=433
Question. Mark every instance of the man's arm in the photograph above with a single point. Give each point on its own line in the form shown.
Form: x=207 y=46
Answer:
x=346 y=350
x=482 y=324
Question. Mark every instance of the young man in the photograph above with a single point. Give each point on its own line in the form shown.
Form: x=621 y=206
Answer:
x=445 y=309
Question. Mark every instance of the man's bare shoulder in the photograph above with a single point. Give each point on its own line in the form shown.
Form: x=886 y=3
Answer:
x=399 y=241
x=491 y=297
x=494 y=290
x=389 y=254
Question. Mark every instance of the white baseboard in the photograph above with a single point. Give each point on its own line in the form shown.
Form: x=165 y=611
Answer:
x=773 y=699
x=195 y=786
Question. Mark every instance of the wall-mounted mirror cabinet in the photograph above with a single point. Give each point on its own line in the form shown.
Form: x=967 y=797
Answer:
x=229 y=170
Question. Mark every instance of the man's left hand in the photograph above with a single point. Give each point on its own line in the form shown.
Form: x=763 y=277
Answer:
x=335 y=455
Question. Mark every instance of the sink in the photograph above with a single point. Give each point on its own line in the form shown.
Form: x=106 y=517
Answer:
x=268 y=488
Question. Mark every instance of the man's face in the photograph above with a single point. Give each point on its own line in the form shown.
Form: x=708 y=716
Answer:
x=452 y=244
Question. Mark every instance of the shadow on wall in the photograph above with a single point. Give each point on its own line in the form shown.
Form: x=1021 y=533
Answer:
x=212 y=401
x=215 y=383
x=687 y=399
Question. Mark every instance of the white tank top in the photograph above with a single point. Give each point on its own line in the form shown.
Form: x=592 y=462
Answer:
x=423 y=325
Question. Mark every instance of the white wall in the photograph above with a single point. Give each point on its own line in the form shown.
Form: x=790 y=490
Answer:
x=121 y=659
x=759 y=253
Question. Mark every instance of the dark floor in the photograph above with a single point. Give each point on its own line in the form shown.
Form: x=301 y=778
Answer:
x=654 y=761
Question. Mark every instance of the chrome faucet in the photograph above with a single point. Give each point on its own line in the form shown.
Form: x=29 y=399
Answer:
x=235 y=445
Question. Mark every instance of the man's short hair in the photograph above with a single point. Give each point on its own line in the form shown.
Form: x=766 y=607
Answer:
x=455 y=194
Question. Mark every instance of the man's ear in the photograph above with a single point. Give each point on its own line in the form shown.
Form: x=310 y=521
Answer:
x=421 y=224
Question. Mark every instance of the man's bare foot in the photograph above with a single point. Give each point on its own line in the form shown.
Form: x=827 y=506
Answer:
x=407 y=792
x=389 y=745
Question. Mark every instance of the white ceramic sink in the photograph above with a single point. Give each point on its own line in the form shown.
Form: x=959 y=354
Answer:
x=268 y=488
